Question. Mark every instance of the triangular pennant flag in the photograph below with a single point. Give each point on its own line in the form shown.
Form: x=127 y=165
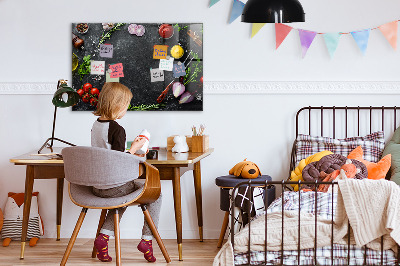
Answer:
x=389 y=30
x=281 y=31
x=361 y=37
x=213 y=2
x=237 y=9
x=256 y=28
x=332 y=41
x=306 y=39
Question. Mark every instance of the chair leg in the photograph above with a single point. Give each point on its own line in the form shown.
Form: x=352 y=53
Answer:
x=101 y=222
x=117 y=239
x=154 y=230
x=73 y=237
x=223 y=229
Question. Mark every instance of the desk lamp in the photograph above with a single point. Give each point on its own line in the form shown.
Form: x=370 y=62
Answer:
x=273 y=11
x=63 y=97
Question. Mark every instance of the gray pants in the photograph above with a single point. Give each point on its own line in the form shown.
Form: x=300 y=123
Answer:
x=154 y=208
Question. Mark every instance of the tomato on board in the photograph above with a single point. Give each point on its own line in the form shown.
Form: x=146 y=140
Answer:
x=93 y=101
x=94 y=91
x=86 y=98
x=86 y=87
x=80 y=92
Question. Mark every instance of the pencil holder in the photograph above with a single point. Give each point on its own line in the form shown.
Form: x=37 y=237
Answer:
x=200 y=143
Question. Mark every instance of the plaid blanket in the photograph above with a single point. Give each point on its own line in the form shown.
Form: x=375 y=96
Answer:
x=323 y=205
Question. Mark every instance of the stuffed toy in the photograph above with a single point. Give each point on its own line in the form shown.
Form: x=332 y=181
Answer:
x=375 y=170
x=180 y=144
x=245 y=169
x=13 y=215
x=296 y=174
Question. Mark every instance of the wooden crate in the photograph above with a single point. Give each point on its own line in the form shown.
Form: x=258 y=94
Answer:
x=200 y=143
x=171 y=143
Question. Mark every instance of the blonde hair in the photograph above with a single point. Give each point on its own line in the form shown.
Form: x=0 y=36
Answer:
x=113 y=97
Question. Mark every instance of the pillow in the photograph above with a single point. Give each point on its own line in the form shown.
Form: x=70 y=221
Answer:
x=393 y=148
x=296 y=174
x=372 y=144
x=375 y=170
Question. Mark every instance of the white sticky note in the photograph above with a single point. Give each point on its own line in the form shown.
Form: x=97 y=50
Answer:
x=97 y=67
x=167 y=65
x=156 y=75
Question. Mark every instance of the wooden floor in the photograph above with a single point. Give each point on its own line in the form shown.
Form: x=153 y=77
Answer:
x=50 y=252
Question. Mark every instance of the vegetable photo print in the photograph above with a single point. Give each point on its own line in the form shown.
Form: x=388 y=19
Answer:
x=162 y=64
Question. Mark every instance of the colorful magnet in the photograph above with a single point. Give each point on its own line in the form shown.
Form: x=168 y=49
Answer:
x=166 y=31
x=177 y=51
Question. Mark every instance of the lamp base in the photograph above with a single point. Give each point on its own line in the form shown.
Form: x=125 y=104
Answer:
x=50 y=146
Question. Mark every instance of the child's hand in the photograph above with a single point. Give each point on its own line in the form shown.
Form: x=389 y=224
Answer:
x=137 y=144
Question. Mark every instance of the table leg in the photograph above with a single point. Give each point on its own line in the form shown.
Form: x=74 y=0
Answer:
x=60 y=190
x=199 y=204
x=27 y=206
x=176 y=183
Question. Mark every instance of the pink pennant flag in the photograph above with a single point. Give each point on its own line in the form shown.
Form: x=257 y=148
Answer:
x=389 y=30
x=306 y=39
x=281 y=31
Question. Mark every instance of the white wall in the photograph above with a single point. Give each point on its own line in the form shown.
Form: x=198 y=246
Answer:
x=35 y=47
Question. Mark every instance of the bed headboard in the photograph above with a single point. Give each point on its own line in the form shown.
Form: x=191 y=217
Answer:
x=344 y=121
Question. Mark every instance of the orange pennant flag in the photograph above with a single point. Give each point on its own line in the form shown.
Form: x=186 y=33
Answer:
x=389 y=30
x=281 y=31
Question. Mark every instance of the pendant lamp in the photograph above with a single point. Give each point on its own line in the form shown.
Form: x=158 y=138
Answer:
x=273 y=11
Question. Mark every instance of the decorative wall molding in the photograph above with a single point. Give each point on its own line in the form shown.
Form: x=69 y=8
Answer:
x=248 y=87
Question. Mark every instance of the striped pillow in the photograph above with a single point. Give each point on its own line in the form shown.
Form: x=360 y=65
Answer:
x=372 y=145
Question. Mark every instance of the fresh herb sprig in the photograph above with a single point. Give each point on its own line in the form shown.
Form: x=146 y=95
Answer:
x=84 y=68
x=196 y=68
x=107 y=35
x=145 y=107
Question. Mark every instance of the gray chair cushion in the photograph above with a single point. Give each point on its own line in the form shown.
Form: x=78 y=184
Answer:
x=83 y=195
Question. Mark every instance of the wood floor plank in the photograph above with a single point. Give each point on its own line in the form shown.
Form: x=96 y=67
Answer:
x=49 y=252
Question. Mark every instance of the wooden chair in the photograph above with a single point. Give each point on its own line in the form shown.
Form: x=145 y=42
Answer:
x=85 y=167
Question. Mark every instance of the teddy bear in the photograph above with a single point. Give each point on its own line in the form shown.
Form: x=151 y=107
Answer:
x=13 y=215
x=180 y=144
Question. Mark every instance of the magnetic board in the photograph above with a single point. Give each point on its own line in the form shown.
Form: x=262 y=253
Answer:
x=162 y=64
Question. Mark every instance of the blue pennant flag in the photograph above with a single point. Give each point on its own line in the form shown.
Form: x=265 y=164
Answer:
x=213 y=2
x=361 y=37
x=237 y=9
x=332 y=41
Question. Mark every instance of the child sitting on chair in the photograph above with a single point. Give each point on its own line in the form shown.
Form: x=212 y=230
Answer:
x=106 y=133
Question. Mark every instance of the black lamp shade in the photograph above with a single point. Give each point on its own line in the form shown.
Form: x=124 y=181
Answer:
x=73 y=97
x=273 y=11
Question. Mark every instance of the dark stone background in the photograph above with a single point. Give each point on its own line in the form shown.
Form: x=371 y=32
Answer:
x=136 y=55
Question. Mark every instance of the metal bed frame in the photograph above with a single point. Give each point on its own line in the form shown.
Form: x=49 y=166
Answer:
x=283 y=184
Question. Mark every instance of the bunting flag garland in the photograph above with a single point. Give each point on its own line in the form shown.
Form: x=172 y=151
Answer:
x=389 y=30
x=332 y=41
x=237 y=8
x=213 y=2
x=361 y=37
x=306 y=39
x=281 y=31
x=256 y=28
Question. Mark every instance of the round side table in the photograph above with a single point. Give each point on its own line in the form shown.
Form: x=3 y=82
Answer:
x=228 y=182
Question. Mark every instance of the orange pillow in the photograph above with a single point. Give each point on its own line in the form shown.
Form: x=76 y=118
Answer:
x=375 y=170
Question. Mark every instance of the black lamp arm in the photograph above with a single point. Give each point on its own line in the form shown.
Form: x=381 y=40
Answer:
x=46 y=143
